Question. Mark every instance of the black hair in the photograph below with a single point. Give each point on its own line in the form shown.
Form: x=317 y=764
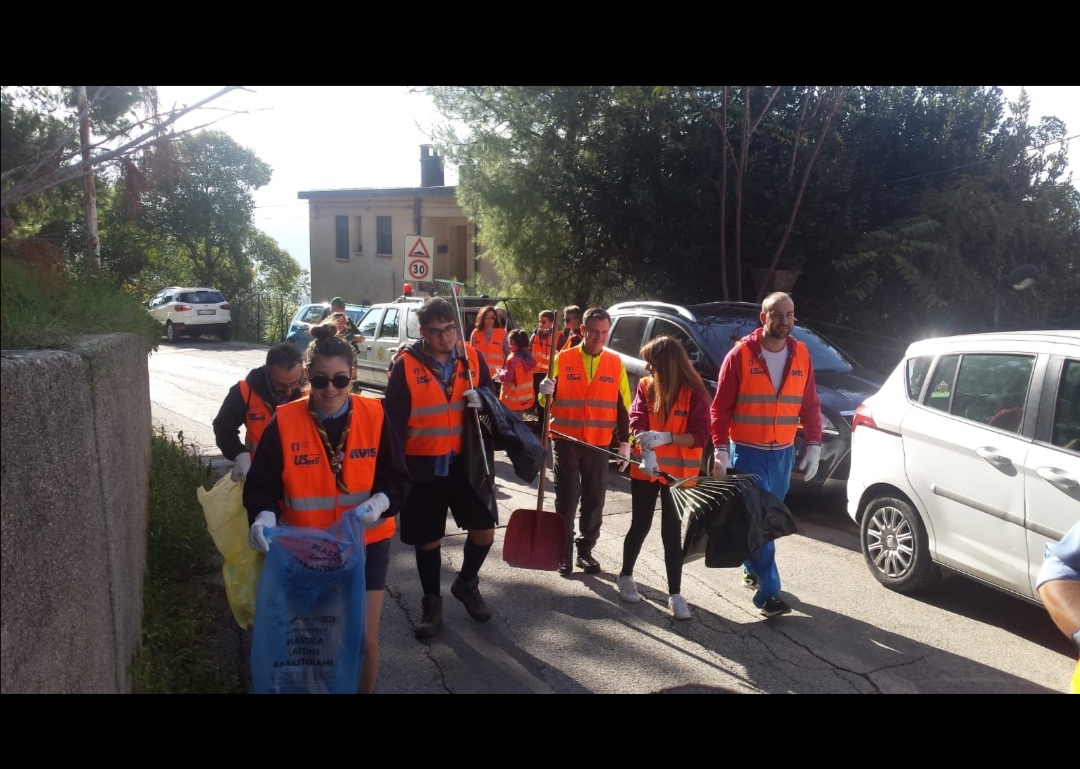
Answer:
x=325 y=343
x=435 y=308
x=284 y=355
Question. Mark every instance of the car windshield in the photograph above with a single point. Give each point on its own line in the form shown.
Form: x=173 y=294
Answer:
x=721 y=334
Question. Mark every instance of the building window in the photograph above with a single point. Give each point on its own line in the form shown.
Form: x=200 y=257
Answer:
x=359 y=236
x=341 y=230
x=384 y=236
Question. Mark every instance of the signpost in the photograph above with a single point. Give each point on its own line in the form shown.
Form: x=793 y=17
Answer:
x=418 y=251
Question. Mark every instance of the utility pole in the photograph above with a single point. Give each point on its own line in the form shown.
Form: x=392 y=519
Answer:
x=88 y=175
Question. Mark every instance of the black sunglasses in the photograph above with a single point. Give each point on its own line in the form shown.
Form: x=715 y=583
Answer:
x=320 y=382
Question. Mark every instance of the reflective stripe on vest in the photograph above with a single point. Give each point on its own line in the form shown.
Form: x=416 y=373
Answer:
x=312 y=497
x=541 y=350
x=679 y=461
x=582 y=409
x=256 y=417
x=763 y=416
x=520 y=396
x=493 y=350
x=435 y=426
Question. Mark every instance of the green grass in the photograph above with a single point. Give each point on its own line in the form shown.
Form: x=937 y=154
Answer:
x=50 y=313
x=177 y=654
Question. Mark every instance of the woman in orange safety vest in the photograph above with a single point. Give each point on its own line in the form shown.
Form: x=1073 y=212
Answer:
x=489 y=339
x=331 y=454
x=516 y=377
x=670 y=421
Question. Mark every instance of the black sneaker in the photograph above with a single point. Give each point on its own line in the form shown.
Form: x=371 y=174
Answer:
x=588 y=564
x=566 y=567
x=749 y=580
x=469 y=594
x=774 y=607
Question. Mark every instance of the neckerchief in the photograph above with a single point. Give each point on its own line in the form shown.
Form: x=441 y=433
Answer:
x=336 y=456
x=435 y=367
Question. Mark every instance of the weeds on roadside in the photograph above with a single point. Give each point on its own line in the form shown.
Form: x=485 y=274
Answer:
x=176 y=655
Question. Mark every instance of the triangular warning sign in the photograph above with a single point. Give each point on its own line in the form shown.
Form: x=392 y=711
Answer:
x=419 y=250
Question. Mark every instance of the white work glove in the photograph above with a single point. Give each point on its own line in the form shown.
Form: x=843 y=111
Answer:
x=624 y=452
x=473 y=399
x=810 y=460
x=649 y=465
x=721 y=463
x=650 y=439
x=547 y=387
x=256 y=539
x=370 y=512
x=240 y=466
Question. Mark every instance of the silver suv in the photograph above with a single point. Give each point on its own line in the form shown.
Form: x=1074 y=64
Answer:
x=191 y=311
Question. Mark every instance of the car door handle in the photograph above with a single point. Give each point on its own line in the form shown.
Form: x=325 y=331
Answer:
x=991 y=456
x=1057 y=477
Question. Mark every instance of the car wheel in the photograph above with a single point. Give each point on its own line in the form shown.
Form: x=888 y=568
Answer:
x=895 y=545
x=170 y=331
x=226 y=335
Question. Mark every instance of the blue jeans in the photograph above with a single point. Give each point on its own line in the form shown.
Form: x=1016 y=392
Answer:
x=774 y=471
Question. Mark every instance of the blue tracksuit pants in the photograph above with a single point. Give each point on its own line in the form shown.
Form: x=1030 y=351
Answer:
x=774 y=469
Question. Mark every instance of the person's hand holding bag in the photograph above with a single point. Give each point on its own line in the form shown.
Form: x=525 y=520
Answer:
x=472 y=398
x=256 y=539
x=370 y=512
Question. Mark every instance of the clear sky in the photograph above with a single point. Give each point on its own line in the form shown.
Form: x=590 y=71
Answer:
x=339 y=137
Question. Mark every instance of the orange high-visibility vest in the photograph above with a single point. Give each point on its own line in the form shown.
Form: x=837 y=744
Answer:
x=762 y=415
x=582 y=409
x=541 y=351
x=493 y=350
x=518 y=396
x=679 y=461
x=312 y=497
x=256 y=418
x=435 y=426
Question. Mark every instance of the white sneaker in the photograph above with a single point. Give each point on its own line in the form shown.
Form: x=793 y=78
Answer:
x=627 y=589
x=678 y=606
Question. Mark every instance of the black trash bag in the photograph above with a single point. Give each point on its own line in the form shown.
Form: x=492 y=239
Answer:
x=730 y=531
x=512 y=435
x=481 y=477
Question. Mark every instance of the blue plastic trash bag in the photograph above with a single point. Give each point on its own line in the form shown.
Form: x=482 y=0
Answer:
x=309 y=611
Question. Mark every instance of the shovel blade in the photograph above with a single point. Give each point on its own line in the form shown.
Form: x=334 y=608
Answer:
x=534 y=539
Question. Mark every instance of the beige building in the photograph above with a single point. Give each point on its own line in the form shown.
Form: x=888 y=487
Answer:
x=358 y=237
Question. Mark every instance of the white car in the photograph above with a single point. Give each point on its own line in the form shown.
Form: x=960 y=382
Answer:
x=968 y=458
x=191 y=311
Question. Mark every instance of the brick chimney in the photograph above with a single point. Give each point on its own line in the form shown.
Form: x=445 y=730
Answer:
x=431 y=170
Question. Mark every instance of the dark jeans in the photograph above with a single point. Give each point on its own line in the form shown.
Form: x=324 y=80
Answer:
x=581 y=475
x=643 y=505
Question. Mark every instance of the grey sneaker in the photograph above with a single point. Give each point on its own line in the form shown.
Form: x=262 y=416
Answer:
x=469 y=594
x=627 y=589
x=432 y=617
x=678 y=606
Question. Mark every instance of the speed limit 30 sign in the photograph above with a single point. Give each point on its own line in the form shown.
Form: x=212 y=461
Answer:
x=418 y=252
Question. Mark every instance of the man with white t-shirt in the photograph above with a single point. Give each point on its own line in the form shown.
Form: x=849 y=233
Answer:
x=765 y=389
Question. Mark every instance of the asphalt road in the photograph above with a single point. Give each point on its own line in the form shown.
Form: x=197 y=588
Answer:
x=552 y=634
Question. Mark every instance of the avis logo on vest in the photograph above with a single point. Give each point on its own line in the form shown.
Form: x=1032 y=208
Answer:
x=361 y=453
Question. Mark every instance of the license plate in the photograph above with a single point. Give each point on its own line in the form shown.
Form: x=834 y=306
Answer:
x=207 y=312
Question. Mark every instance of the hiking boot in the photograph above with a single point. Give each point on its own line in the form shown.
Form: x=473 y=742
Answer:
x=749 y=580
x=627 y=589
x=678 y=606
x=432 y=618
x=774 y=607
x=469 y=594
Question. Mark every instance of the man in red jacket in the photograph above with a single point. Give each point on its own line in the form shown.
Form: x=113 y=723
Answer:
x=766 y=389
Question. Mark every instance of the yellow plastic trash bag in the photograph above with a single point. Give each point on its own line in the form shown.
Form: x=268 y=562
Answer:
x=226 y=519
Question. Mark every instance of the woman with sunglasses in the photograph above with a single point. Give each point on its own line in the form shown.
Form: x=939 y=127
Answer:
x=331 y=454
x=670 y=419
x=490 y=340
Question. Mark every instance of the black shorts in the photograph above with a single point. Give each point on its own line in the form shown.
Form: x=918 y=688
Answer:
x=377 y=563
x=423 y=518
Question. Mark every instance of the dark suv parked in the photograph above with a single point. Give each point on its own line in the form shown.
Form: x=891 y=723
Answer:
x=709 y=331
